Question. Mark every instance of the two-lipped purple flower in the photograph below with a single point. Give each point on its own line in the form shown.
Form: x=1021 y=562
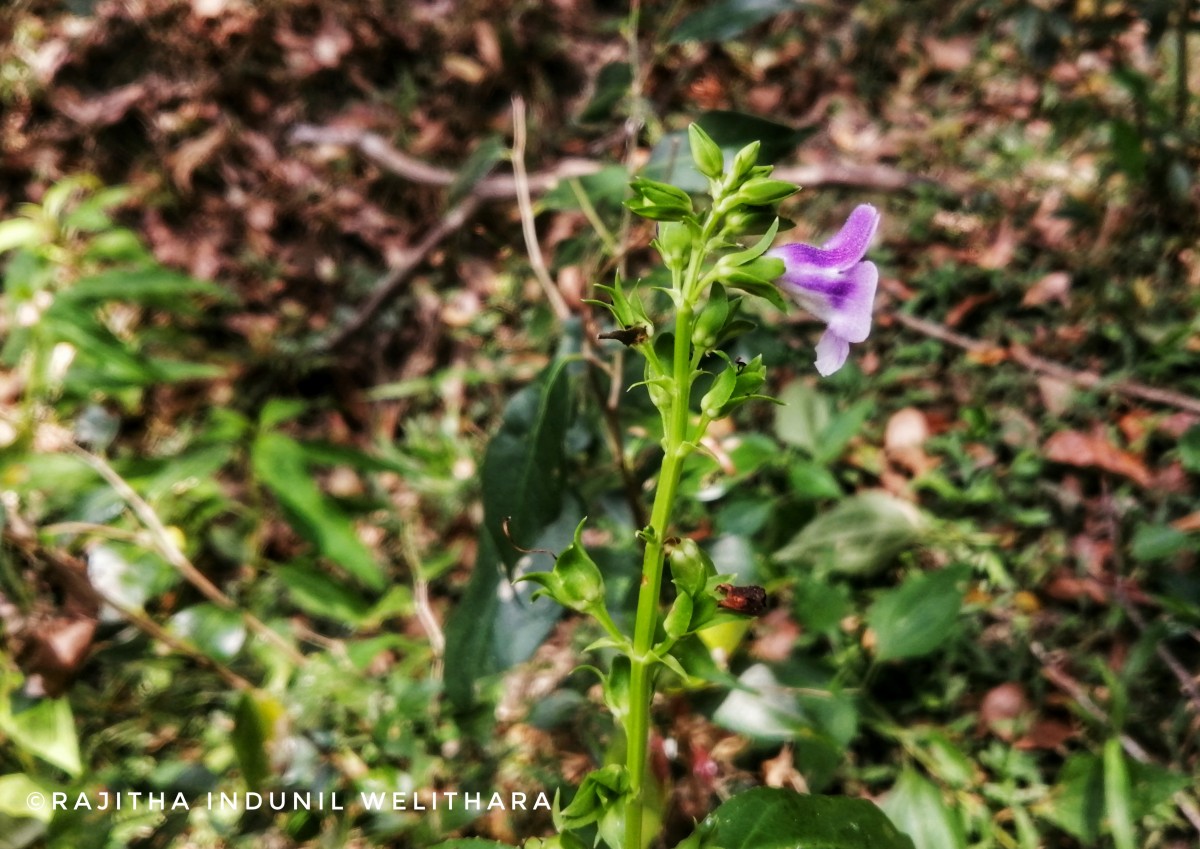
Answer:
x=835 y=283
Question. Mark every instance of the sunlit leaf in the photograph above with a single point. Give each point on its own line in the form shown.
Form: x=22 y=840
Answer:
x=769 y=818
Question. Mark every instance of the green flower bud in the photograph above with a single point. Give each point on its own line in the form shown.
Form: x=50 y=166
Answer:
x=760 y=192
x=674 y=243
x=707 y=329
x=743 y=163
x=705 y=152
x=718 y=396
x=690 y=567
x=575 y=582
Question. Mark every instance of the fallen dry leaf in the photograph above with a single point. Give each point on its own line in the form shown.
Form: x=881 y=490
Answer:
x=1094 y=451
x=904 y=440
x=101 y=111
x=1055 y=286
x=1001 y=707
x=1188 y=524
x=1056 y=394
x=780 y=771
x=1000 y=253
x=951 y=55
x=959 y=311
x=1049 y=734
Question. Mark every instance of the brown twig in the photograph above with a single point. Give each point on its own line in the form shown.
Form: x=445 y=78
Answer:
x=528 y=228
x=504 y=187
x=377 y=149
x=1040 y=365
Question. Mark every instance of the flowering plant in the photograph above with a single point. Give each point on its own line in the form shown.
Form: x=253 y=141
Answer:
x=693 y=382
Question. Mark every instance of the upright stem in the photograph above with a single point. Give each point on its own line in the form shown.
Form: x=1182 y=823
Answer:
x=637 y=730
x=676 y=449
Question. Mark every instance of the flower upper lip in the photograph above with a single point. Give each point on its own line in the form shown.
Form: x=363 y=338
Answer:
x=835 y=284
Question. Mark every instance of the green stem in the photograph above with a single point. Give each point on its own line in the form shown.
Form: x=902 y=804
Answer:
x=676 y=446
x=641 y=665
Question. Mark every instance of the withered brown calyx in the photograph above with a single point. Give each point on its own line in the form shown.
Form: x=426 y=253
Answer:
x=752 y=600
x=627 y=336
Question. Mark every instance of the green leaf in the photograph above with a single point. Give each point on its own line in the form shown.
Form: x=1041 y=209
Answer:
x=604 y=190
x=522 y=472
x=21 y=233
x=16 y=790
x=812 y=481
x=844 y=427
x=217 y=632
x=472 y=843
x=154 y=286
x=859 y=536
x=916 y=618
x=280 y=464
x=249 y=739
x=1076 y=803
x=770 y=818
x=1117 y=795
x=45 y=729
x=496 y=624
x=760 y=708
x=1189 y=449
x=320 y=595
x=727 y=19
x=478 y=165
x=917 y=808
x=1128 y=148
x=279 y=410
x=804 y=417
x=612 y=86
x=1160 y=542
x=753 y=285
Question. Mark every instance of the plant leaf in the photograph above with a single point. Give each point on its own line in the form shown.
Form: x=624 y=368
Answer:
x=915 y=618
x=771 y=818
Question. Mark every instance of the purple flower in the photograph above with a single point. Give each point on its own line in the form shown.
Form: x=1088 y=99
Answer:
x=835 y=284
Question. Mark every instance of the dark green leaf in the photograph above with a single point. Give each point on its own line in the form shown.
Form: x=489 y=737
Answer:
x=1189 y=449
x=496 y=625
x=612 y=86
x=1076 y=803
x=770 y=818
x=249 y=739
x=671 y=161
x=522 y=470
x=725 y=20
